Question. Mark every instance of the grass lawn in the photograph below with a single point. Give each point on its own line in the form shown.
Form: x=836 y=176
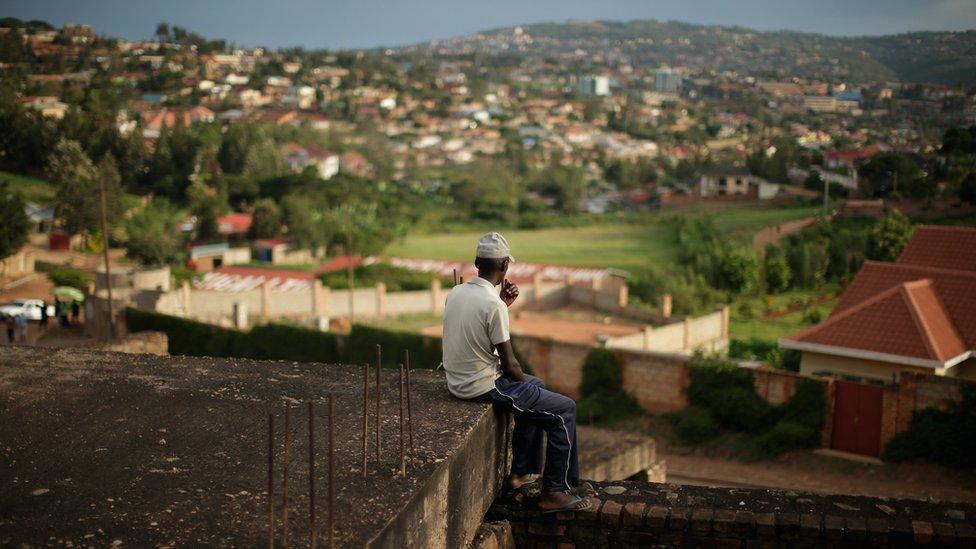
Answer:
x=746 y=326
x=405 y=323
x=30 y=189
x=624 y=246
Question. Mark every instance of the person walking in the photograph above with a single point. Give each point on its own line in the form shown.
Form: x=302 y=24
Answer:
x=8 y=322
x=481 y=366
x=42 y=325
x=22 y=328
x=75 y=312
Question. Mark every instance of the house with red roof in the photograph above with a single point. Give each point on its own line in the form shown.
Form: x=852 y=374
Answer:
x=917 y=314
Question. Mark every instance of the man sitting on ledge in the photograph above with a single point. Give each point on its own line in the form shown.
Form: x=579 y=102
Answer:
x=481 y=366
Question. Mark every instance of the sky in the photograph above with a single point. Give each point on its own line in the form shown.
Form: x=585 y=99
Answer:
x=338 y=24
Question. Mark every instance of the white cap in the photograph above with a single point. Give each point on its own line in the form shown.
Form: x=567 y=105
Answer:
x=494 y=246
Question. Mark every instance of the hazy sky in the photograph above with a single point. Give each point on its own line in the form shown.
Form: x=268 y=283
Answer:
x=369 y=23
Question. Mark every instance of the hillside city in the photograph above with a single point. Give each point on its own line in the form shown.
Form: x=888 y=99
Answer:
x=747 y=255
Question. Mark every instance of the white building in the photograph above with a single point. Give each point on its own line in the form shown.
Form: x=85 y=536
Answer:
x=598 y=86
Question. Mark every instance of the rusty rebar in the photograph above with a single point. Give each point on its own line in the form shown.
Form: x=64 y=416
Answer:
x=406 y=353
x=462 y=280
x=311 y=476
x=365 y=413
x=455 y=277
x=271 y=480
x=403 y=462
x=332 y=497
x=284 y=481
x=379 y=366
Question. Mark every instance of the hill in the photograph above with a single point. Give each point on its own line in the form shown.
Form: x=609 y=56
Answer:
x=932 y=57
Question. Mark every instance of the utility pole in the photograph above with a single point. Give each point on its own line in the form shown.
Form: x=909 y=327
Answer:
x=349 y=267
x=826 y=194
x=110 y=334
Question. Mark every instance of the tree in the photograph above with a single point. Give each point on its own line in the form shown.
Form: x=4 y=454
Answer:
x=889 y=172
x=153 y=234
x=889 y=236
x=307 y=225
x=15 y=226
x=738 y=270
x=77 y=202
x=266 y=220
x=777 y=270
x=262 y=160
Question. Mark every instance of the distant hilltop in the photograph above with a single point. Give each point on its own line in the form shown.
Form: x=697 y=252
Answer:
x=939 y=57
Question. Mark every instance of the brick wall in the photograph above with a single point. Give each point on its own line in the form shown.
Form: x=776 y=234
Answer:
x=635 y=514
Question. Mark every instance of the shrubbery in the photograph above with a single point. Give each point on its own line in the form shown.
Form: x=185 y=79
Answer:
x=602 y=397
x=722 y=396
x=946 y=437
x=66 y=276
x=282 y=342
x=766 y=351
x=397 y=279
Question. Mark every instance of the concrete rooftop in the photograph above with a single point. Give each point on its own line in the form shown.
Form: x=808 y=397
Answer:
x=149 y=450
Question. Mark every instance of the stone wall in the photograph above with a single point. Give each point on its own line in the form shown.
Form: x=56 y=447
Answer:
x=635 y=514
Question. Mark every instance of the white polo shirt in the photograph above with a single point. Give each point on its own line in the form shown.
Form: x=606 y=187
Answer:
x=475 y=320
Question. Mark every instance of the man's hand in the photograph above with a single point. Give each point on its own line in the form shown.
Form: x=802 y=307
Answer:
x=510 y=292
x=510 y=366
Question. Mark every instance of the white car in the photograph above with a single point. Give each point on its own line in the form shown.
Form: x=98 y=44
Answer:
x=29 y=307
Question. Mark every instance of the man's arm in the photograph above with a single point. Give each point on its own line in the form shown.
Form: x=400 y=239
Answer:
x=510 y=366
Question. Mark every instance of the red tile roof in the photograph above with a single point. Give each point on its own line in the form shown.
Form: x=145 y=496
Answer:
x=234 y=223
x=923 y=306
x=906 y=320
x=955 y=289
x=943 y=247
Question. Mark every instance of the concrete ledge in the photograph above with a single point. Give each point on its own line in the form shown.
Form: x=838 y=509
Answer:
x=635 y=514
x=100 y=447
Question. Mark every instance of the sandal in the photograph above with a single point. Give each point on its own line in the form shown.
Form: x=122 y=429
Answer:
x=522 y=480
x=575 y=504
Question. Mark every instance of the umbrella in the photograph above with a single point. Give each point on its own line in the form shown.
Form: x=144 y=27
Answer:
x=69 y=292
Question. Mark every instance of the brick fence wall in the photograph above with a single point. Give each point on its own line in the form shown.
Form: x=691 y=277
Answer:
x=635 y=514
x=659 y=382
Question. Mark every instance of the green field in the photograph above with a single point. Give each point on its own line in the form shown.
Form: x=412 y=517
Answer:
x=29 y=188
x=642 y=244
x=753 y=325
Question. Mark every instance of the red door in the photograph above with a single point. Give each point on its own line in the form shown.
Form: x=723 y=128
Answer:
x=857 y=418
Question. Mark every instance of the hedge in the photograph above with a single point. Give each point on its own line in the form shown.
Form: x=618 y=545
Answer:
x=722 y=396
x=602 y=397
x=946 y=437
x=283 y=342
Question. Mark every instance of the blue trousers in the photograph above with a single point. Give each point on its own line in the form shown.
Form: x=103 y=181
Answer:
x=538 y=410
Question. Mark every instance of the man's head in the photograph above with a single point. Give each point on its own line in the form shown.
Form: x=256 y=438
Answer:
x=492 y=257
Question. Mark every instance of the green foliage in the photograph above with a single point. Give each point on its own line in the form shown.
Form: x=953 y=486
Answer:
x=283 y=342
x=751 y=349
x=397 y=279
x=776 y=270
x=694 y=424
x=880 y=176
x=946 y=437
x=724 y=395
x=67 y=276
x=266 y=220
x=153 y=236
x=15 y=225
x=602 y=397
x=690 y=293
x=738 y=270
x=889 y=236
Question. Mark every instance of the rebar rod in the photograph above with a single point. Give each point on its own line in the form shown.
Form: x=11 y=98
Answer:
x=365 y=413
x=332 y=482
x=379 y=367
x=271 y=480
x=311 y=476
x=409 y=411
x=403 y=462
x=284 y=481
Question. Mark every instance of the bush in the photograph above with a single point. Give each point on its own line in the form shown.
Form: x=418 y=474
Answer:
x=282 y=342
x=694 y=424
x=728 y=392
x=946 y=437
x=66 y=276
x=602 y=397
x=751 y=349
x=397 y=279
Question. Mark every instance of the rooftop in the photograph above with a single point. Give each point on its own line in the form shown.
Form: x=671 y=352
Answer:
x=173 y=450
